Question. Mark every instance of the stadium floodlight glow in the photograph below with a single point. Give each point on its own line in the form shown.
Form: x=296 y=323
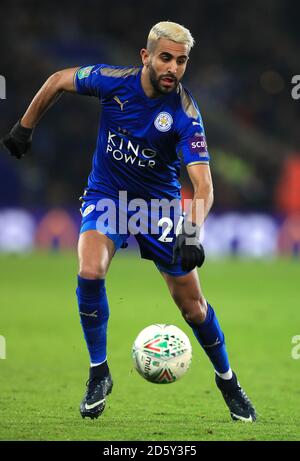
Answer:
x=17 y=228
x=253 y=235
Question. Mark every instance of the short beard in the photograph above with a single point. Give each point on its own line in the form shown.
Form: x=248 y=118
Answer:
x=155 y=81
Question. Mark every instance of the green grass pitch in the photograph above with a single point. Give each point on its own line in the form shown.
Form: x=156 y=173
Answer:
x=42 y=379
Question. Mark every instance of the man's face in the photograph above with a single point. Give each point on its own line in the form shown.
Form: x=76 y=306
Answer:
x=166 y=65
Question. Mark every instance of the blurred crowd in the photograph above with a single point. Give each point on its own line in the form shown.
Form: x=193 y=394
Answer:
x=240 y=72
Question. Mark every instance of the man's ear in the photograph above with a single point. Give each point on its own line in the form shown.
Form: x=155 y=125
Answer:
x=145 y=55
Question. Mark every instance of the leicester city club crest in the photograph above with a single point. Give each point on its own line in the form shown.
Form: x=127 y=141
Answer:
x=163 y=121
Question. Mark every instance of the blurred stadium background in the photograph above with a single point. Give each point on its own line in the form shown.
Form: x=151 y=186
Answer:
x=240 y=72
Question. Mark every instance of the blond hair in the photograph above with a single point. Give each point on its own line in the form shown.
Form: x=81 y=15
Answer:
x=171 y=31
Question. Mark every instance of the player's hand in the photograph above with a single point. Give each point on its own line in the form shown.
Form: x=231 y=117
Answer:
x=188 y=247
x=18 y=140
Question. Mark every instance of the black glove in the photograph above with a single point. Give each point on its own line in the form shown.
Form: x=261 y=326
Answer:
x=18 y=140
x=188 y=247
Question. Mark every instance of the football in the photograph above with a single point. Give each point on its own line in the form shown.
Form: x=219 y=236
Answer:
x=162 y=353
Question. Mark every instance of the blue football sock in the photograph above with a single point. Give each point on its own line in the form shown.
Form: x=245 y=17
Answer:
x=94 y=314
x=211 y=338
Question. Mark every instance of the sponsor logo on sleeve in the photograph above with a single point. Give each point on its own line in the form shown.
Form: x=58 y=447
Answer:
x=198 y=145
x=84 y=72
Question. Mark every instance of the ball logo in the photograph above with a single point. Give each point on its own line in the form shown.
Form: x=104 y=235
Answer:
x=162 y=353
x=163 y=121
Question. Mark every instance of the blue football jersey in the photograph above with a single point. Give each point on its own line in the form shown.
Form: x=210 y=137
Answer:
x=141 y=140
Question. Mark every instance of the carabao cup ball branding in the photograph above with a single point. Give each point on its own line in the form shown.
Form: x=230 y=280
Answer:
x=163 y=121
x=162 y=353
x=197 y=144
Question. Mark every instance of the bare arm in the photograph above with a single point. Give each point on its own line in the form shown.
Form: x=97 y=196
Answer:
x=201 y=179
x=49 y=93
x=187 y=244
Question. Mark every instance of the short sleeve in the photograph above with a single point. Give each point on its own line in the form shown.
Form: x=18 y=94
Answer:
x=192 y=140
x=88 y=80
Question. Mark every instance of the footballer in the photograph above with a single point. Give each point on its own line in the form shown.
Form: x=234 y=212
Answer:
x=150 y=123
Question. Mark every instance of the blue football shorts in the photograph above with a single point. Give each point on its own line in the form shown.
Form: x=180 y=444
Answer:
x=154 y=232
